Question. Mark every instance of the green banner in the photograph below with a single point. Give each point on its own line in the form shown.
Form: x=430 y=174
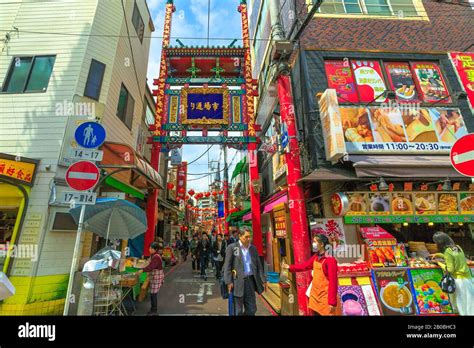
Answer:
x=390 y=219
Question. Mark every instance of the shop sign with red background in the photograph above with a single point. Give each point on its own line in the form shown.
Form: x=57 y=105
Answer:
x=464 y=65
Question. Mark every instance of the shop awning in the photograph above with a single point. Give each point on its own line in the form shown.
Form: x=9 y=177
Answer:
x=268 y=207
x=134 y=169
x=330 y=174
x=412 y=166
x=240 y=168
x=237 y=215
x=168 y=205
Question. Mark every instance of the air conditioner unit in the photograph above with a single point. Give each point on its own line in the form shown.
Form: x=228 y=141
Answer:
x=62 y=221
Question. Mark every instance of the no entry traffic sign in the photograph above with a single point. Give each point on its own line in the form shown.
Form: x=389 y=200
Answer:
x=82 y=176
x=462 y=155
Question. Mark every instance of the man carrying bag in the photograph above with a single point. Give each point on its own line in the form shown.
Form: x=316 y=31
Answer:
x=244 y=274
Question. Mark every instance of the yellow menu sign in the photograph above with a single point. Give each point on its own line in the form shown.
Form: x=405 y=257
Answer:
x=19 y=171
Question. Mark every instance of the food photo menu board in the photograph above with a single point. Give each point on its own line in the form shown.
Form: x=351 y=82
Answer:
x=430 y=299
x=393 y=291
x=410 y=203
x=397 y=129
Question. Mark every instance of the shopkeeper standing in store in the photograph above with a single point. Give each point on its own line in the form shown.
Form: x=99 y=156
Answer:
x=156 y=274
x=323 y=298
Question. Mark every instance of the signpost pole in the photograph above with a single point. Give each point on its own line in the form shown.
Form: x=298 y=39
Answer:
x=75 y=260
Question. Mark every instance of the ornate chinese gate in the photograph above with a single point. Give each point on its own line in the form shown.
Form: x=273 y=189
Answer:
x=206 y=89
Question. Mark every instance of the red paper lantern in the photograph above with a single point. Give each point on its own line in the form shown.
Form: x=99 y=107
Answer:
x=221 y=192
x=182 y=190
x=187 y=197
x=191 y=192
x=208 y=194
x=170 y=186
x=214 y=193
x=188 y=206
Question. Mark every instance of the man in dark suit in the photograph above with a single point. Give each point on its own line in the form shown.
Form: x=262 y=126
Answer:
x=244 y=273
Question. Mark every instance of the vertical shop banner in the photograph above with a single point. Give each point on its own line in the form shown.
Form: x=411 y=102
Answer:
x=430 y=299
x=182 y=178
x=369 y=79
x=431 y=83
x=173 y=179
x=332 y=128
x=464 y=65
x=402 y=82
x=393 y=289
x=333 y=229
x=340 y=78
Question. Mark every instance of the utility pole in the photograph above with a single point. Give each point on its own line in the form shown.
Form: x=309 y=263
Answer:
x=226 y=192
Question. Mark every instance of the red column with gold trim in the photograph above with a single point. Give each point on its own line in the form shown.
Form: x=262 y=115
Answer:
x=152 y=201
x=299 y=227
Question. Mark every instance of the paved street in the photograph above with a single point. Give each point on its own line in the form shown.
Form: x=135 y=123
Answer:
x=185 y=293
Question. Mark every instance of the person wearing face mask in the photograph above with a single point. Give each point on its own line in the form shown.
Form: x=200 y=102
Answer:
x=323 y=299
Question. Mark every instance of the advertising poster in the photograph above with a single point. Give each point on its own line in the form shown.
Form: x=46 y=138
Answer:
x=357 y=204
x=331 y=228
x=401 y=81
x=467 y=202
x=430 y=299
x=340 y=78
x=402 y=204
x=387 y=125
x=425 y=203
x=464 y=65
x=356 y=125
x=431 y=84
x=419 y=126
x=379 y=203
x=393 y=290
x=401 y=129
x=352 y=301
x=369 y=79
x=448 y=204
x=449 y=124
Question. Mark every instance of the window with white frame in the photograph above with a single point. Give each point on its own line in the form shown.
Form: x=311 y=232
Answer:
x=399 y=8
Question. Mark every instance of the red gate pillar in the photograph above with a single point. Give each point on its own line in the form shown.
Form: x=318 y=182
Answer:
x=152 y=201
x=255 y=199
x=300 y=233
x=152 y=204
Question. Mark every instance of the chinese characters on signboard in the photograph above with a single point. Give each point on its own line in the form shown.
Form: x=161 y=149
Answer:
x=332 y=128
x=464 y=66
x=181 y=180
x=205 y=106
x=18 y=171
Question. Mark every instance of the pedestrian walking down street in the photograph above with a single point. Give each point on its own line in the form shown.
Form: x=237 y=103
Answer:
x=455 y=264
x=244 y=274
x=185 y=249
x=323 y=298
x=204 y=250
x=218 y=254
x=156 y=274
x=193 y=246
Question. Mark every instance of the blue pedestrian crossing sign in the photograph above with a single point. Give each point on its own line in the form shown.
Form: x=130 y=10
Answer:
x=90 y=135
